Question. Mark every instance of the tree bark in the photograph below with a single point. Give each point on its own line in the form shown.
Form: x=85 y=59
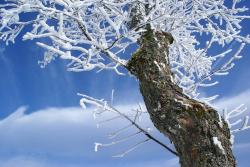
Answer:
x=192 y=126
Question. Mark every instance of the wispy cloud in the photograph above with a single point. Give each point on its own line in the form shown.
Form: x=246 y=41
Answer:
x=234 y=101
x=2 y=49
x=26 y=162
x=36 y=162
x=46 y=131
x=173 y=162
x=2 y=53
x=242 y=146
x=64 y=137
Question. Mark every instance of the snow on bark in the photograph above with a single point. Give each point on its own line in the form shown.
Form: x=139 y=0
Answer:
x=218 y=143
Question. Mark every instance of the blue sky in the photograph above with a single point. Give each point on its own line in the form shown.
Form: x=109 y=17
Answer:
x=53 y=131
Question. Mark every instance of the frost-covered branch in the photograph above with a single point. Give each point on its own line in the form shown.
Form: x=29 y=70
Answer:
x=75 y=31
x=97 y=34
x=231 y=118
x=103 y=106
x=235 y=118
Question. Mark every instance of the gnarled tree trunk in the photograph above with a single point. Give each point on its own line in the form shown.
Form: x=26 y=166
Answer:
x=200 y=138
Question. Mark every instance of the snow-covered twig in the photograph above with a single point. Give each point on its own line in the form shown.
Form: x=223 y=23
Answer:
x=103 y=105
x=234 y=118
x=94 y=35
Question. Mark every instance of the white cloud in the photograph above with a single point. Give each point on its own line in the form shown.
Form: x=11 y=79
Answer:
x=46 y=131
x=46 y=137
x=34 y=162
x=234 y=101
x=23 y=161
x=173 y=162
x=242 y=146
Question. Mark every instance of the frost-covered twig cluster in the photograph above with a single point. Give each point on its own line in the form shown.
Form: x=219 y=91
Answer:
x=217 y=25
x=229 y=116
x=83 y=32
x=236 y=120
x=96 y=34
x=132 y=120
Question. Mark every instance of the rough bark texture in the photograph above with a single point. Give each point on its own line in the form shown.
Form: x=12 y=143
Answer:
x=189 y=124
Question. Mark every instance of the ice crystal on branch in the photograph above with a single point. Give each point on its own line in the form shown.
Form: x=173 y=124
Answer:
x=96 y=34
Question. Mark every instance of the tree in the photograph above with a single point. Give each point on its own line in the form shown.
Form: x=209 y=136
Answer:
x=181 y=46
